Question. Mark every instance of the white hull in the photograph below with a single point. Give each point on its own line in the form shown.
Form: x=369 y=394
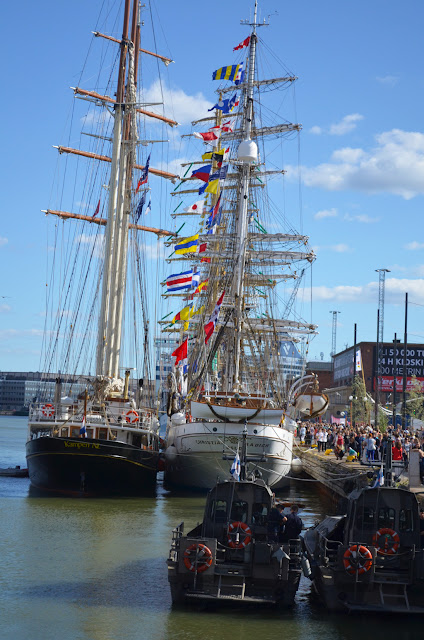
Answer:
x=266 y=416
x=194 y=454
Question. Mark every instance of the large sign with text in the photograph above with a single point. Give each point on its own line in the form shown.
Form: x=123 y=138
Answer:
x=391 y=361
x=343 y=366
x=386 y=384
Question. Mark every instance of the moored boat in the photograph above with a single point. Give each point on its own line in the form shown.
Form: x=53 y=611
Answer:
x=106 y=441
x=230 y=368
x=233 y=556
x=372 y=557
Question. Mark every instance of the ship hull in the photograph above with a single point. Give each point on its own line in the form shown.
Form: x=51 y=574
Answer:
x=194 y=454
x=90 y=467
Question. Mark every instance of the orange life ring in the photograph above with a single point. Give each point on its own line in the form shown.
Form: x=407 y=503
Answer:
x=48 y=410
x=202 y=558
x=235 y=527
x=132 y=416
x=389 y=535
x=357 y=560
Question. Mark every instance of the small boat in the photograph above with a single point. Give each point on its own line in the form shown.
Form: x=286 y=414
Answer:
x=371 y=558
x=231 y=556
x=14 y=472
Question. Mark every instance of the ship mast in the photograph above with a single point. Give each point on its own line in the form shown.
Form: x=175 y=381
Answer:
x=116 y=240
x=247 y=154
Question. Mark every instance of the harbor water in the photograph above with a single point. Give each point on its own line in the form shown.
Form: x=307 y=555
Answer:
x=94 y=569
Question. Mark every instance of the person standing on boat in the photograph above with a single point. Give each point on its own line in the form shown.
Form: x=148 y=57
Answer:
x=276 y=521
x=293 y=525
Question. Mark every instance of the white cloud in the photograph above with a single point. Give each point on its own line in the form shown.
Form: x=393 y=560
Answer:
x=155 y=251
x=414 y=246
x=363 y=218
x=326 y=213
x=95 y=240
x=347 y=124
x=395 y=165
x=388 y=80
x=5 y=334
x=3 y=241
x=395 y=289
x=338 y=248
x=176 y=103
x=5 y=308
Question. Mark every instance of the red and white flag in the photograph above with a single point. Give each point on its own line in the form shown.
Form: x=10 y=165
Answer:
x=196 y=207
x=180 y=352
x=243 y=44
x=210 y=326
x=227 y=127
x=209 y=136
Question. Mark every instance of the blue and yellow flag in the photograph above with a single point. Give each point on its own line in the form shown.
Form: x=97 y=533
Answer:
x=189 y=245
x=227 y=73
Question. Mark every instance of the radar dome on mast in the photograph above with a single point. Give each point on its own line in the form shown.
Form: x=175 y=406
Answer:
x=247 y=151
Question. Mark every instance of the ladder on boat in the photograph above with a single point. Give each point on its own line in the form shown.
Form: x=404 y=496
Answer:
x=234 y=586
x=398 y=594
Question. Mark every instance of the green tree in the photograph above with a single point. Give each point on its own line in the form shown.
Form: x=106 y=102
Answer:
x=383 y=420
x=415 y=404
x=361 y=405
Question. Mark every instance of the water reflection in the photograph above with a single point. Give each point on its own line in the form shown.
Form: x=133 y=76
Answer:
x=84 y=569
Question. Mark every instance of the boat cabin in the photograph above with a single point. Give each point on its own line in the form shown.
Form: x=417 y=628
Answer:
x=373 y=510
x=245 y=502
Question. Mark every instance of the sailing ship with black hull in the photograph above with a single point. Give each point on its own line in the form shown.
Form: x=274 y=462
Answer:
x=233 y=556
x=236 y=321
x=372 y=557
x=104 y=441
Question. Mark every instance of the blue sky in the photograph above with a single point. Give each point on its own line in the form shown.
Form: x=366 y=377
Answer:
x=359 y=98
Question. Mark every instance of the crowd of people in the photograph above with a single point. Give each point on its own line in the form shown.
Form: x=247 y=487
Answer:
x=364 y=442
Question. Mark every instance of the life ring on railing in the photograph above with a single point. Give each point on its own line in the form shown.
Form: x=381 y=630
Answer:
x=132 y=416
x=238 y=527
x=198 y=561
x=48 y=410
x=390 y=544
x=357 y=560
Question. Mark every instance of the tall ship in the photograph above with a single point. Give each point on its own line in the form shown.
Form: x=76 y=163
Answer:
x=237 y=274
x=100 y=436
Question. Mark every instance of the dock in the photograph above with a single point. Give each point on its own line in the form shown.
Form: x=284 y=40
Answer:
x=341 y=476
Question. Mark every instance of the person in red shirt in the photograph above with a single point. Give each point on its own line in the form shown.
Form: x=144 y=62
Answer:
x=397 y=451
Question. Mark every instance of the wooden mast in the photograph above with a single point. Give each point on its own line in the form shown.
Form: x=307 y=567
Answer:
x=102 y=356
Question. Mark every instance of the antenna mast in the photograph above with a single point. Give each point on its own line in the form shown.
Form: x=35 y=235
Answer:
x=334 y=333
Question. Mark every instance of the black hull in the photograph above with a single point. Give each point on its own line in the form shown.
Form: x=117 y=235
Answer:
x=88 y=467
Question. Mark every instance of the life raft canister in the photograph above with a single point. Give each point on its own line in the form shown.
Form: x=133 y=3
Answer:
x=244 y=530
x=132 y=416
x=386 y=541
x=197 y=558
x=357 y=559
x=48 y=410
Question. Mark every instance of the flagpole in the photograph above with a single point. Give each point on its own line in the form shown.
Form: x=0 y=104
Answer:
x=405 y=345
x=353 y=417
x=377 y=379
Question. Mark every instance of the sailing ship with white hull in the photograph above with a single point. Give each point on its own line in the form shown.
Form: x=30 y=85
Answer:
x=233 y=329
x=106 y=441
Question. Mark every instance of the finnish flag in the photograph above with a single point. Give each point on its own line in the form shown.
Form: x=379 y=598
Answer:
x=235 y=467
x=379 y=482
